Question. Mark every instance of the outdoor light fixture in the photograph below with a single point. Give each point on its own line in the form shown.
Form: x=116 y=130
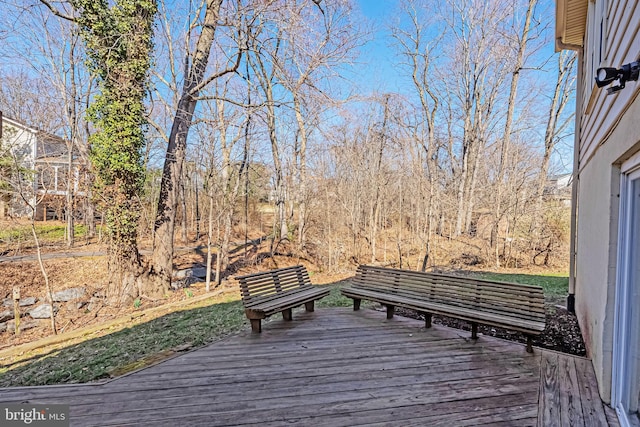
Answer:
x=607 y=75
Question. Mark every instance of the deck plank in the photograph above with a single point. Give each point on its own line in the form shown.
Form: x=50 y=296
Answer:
x=592 y=406
x=336 y=367
x=549 y=401
x=570 y=401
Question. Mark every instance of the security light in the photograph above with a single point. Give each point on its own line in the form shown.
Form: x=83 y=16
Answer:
x=607 y=75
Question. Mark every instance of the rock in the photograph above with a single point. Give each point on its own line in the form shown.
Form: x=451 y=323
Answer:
x=28 y=301
x=8 y=302
x=3 y=327
x=69 y=294
x=200 y=272
x=185 y=283
x=24 y=325
x=43 y=311
x=95 y=303
x=6 y=315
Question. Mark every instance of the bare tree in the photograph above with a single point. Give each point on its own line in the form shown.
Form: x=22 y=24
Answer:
x=557 y=123
x=521 y=51
x=418 y=48
x=195 y=79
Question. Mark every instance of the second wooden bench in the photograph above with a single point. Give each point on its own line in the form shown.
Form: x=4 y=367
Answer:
x=506 y=305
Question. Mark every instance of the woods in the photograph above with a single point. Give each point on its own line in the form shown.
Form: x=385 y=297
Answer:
x=225 y=121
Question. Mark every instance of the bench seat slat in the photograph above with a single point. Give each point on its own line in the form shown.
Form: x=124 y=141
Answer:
x=289 y=301
x=506 y=305
x=281 y=279
x=408 y=273
x=280 y=296
x=451 y=292
x=444 y=283
x=508 y=322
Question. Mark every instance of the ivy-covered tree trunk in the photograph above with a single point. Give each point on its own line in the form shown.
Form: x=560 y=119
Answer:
x=118 y=36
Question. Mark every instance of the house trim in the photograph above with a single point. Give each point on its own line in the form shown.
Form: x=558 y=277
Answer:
x=571 y=18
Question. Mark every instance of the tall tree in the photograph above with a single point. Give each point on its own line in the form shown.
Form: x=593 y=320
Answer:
x=419 y=50
x=195 y=80
x=118 y=38
x=557 y=123
x=505 y=142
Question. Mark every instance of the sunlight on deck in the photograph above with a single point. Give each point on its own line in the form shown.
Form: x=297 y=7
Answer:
x=335 y=367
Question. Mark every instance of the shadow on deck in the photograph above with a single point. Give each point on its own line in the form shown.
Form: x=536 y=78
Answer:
x=336 y=368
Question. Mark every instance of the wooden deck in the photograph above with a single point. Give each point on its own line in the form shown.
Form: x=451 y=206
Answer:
x=335 y=367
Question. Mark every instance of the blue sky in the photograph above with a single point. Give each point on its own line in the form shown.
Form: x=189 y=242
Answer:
x=377 y=56
x=376 y=70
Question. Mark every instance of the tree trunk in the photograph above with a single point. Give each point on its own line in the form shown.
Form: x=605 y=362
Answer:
x=209 y=243
x=506 y=137
x=43 y=270
x=73 y=123
x=69 y=199
x=183 y=200
x=164 y=228
x=126 y=276
x=302 y=191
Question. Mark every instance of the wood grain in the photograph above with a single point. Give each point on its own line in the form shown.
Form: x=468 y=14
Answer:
x=506 y=305
x=336 y=367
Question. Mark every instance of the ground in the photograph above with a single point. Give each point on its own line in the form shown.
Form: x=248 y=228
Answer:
x=562 y=332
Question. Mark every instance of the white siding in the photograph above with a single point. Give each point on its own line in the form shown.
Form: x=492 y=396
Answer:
x=621 y=45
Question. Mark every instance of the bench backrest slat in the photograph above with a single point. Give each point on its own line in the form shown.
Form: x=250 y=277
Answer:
x=517 y=300
x=264 y=286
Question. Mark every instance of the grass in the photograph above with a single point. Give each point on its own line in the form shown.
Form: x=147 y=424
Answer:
x=46 y=232
x=131 y=348
x=553 y=285
x=120 y=351
x=127 y=349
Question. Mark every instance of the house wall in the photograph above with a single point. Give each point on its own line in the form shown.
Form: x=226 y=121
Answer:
x=616 y=45
x=21 y=142
x=609 y=134
x=598 y=213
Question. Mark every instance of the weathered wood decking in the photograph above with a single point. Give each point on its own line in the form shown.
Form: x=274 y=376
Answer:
x=335 y=367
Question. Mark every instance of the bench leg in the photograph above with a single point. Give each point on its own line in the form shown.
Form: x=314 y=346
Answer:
x=286 y=314
x=390 y=311
x=529 y=344
x=356 y=304
x=309 y=305
x=256 y=325
x=474 y=331
x=427 y=320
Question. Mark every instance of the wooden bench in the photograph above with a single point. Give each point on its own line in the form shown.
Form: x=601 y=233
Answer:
x=506 y=305
x=269 y=292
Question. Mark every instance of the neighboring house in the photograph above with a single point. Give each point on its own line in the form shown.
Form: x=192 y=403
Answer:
x=606 y=243
x=558 y=187
x=43 y=161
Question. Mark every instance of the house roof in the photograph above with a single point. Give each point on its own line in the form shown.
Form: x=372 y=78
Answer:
x=571 y=21
x=17 y=124
x=20 y=125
